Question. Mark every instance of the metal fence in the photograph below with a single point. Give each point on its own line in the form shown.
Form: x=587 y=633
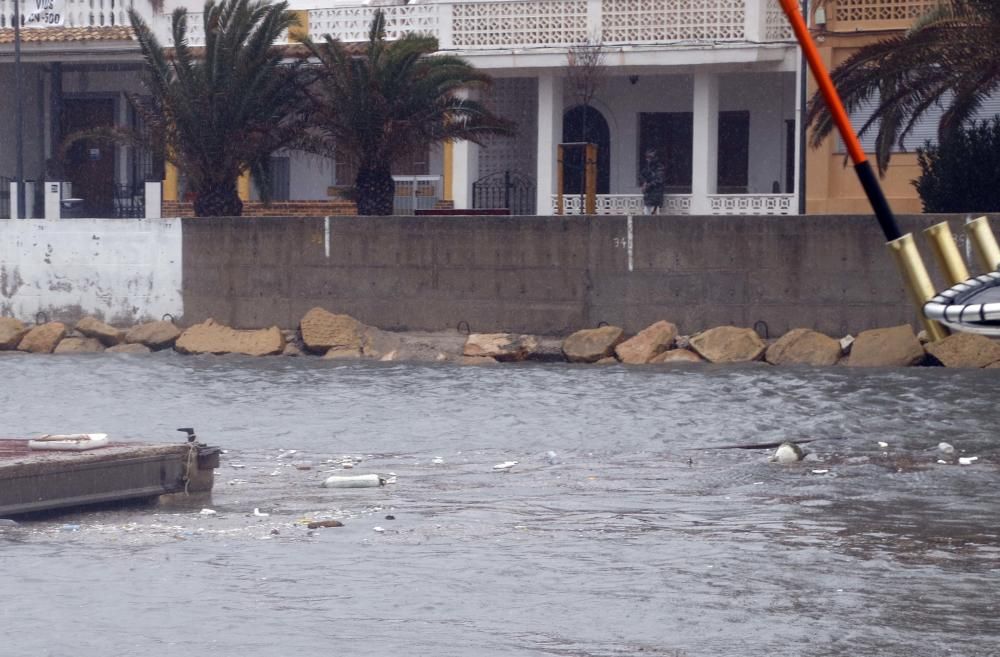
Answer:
x=5 y=197
x=416 y=193
x=509 y=190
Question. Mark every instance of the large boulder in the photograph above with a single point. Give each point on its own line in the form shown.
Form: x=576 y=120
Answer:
x=92 y=327
x=75 y=345
x=11 y=332
x=591 y=345
x=804 y=347
x=729 y=344
x=501 y=346
x=965 y=350
x=376 y=343
x=322 y=331
x=155 y=335
x=896 y=346
x=43 y=339
x=126 y=348
x=210 y=337
x=677 y=356
x=647 y=343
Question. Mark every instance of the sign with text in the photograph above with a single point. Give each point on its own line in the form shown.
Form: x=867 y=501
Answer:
x=45 y=13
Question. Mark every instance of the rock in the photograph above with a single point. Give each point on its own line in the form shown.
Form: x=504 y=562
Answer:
x=79 y=346
x=804 y=347
x=502 y=346
x=342 y=353
x=376 y=343
x=317 y=524
x=682 y=342
x=965 y=350
x=608 y=360
x=888 y=347
x=647 y=343
x=846 y=343
x=591 y=345
x=210 y=337
x=11 y=332
x=155 y=335
x=126 y=348
x=291 y=349
x=418 y=352
x=923 y=337
x=728 y=344
x=479 y=360
x=677 y=356
x=322 y=331
x=92 y=327
x=43 y=339
x=549 y=350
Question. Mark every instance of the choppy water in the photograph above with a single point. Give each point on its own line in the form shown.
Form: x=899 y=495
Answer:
x=630 y=540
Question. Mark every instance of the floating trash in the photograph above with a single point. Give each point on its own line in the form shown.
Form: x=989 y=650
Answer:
x=317 y=524
x=883 y=444
x=355 y=481
x=285 y=454
x=967 y=460
x=820 y=472
x=207 y=512
x=787 y=453
x=506 y=465
x=378 y=529
x=437 y=460
x=257 y=512
x=946 y=448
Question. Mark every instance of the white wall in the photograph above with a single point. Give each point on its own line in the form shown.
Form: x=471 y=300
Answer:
x=120 y=270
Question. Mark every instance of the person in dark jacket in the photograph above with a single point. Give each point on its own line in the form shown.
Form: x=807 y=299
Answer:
x=654 y=182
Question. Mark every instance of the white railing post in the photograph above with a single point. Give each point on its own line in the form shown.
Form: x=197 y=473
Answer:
x=594 y=25
x=53 y=200
x=153 y=203
x=755 y=20
x=444 y=18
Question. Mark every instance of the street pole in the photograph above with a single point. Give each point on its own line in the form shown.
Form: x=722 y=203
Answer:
x=18 y=113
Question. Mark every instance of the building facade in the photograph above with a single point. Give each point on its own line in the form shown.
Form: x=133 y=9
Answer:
x=711 y=85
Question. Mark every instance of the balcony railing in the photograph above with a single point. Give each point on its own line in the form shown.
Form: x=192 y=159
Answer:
x=861 y=15
x=516 y=24
x=79 y=13
x=744 y=204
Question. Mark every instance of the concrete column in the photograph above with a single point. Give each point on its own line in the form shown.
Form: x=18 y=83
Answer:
x=755 y=20
x=550 y=113
x=154 y=200
x=53 y=199
x=705 y=141
x=465 y=163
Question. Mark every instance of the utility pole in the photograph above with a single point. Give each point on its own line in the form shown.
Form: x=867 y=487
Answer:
x=18 y=113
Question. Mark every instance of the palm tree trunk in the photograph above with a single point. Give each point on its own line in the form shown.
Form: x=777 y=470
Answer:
x=218 y=201
x=375 y=190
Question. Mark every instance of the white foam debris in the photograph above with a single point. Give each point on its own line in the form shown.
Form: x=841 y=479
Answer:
x=967 y=460
x=506 y=465
x=437 y=460
x=207 y=512
x=285 y=454
x=819 y=472
x=883 y=444
x=260 y=514
x=945 y=448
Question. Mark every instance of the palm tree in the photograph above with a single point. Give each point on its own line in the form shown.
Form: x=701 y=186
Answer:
x=392 y=100
x=950 y=57
x=219 y=114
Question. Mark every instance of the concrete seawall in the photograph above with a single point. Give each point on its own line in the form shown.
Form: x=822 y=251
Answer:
x=549 y=275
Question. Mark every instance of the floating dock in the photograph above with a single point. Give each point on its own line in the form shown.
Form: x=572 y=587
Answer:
x=33 y=480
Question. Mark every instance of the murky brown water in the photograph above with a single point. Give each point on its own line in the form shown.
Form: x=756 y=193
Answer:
x=630 y=540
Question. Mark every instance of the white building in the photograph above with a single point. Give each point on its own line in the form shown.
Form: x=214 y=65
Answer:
x=712 y=84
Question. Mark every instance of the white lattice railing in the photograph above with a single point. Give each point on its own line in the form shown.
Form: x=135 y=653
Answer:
x=877 y=14
x=500 y=24
x=78 y=13
x=752 y=204
x=620 y=204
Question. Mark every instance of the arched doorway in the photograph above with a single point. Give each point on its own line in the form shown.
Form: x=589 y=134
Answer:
x=581 y=124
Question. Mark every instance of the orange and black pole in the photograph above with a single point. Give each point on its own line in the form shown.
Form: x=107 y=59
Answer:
x=903 y=248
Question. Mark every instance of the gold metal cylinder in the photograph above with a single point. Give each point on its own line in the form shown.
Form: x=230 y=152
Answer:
x=918 y=281
x=985 y=245
x=946 y=253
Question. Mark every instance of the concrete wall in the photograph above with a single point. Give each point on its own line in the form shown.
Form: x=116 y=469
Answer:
x=548 y=275
x=119 y=270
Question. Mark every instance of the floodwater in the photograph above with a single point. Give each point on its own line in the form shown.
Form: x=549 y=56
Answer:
x=617 y=533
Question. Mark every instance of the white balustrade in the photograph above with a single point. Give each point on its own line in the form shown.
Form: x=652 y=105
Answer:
x=869 y=11
x=351 y=24
x=744 y=204
x=78 y=13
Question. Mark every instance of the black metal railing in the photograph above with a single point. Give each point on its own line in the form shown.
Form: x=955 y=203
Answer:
x=508 y=190
x=5 y=197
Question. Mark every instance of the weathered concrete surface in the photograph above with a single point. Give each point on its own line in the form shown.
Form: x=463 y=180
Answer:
x=548 y=275
x=122 y=271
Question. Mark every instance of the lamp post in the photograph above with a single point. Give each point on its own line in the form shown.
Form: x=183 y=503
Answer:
x=18 y=113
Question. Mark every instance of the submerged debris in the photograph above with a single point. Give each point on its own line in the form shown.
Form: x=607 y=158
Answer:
x=788 y=453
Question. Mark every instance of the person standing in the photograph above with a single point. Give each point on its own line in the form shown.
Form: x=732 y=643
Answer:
x=654 y=181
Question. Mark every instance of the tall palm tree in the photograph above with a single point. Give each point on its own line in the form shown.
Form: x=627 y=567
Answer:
x=950 y=57
x=392 y=100
x=219 y=113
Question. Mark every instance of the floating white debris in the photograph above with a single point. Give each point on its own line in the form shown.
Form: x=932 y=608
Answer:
x=207 y=512
x=276 y=473
x=883 y=444
x=287 y=453
x=237 y=466
x=506 y=465
x=787 y=453
x=437 y=460
x=967 y=460
x=945 y=448
x=260 y=514
x=551 y=457
x=942 y=462
x=378 y=529
x=391 y=478
x=355 y=481
x=818 y=472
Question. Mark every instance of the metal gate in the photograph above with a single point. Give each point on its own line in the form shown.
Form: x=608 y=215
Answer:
x=510 y=190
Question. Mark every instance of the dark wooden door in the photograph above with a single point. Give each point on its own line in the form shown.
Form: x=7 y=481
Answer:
x=89 y=163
